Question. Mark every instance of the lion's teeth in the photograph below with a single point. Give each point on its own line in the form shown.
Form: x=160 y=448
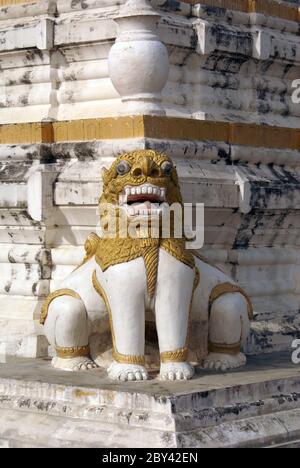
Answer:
x=146 y=190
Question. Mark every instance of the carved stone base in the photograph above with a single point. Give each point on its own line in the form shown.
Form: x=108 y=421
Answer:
x=257 y=407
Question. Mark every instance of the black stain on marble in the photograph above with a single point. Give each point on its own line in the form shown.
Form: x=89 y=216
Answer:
x=247 y=229
x=26 y=78
x=45 y=406
x=171 y=5
x=81 y=3
x=8 y=286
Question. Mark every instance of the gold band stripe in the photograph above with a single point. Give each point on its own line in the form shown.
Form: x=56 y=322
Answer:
x=233 y=349
x=267 y=7
x=171 y=128
x=180 y=355
x=67 y=353
x=229 y=288
x=52 y=297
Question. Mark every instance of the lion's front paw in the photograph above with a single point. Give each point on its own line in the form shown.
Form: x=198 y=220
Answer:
x=127 y=372
x=176 y=371
x=75 y=364
x=224 y=362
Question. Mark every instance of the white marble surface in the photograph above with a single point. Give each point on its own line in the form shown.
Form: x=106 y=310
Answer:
x=72 y=79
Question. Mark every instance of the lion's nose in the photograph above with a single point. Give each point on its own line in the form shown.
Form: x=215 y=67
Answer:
x=143 y=168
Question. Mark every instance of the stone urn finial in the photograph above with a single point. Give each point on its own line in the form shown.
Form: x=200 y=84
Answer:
x=138 y=61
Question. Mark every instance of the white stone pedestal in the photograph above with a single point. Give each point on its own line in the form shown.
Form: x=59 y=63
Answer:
x=256 y=407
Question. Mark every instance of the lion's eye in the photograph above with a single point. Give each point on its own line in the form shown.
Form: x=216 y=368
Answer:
x=123 y=168
x=167 y=167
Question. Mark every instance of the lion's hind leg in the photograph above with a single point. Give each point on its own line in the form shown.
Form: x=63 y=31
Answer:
x=229 y=327
x=66 y=328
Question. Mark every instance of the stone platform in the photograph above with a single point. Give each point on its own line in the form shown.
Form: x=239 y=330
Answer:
x=258 y=406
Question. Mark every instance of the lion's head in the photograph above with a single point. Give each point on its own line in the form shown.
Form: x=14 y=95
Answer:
x=140 y=182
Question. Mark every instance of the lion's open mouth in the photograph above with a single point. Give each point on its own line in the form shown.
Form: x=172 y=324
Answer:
x=143 y=200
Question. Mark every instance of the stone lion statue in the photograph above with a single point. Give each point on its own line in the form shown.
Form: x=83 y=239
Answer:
x=144 y=280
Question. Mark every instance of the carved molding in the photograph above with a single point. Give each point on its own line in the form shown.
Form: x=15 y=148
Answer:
x=151 y=127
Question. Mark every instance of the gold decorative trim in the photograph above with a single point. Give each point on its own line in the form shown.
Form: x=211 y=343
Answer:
x=26 y=133
x=179 y=355
x=174 y=128
x=151 y=259
x=226 y=288
x=99 y=129
x=121 y=358
x=90 y=247
x=266 y=7
x=50 y=299
x=176 y=248
x=4 y=3
x=233 y=349
x=171 y=128
x=197 y=279
x=195 y=286
x=67 y=353
x=115 y=251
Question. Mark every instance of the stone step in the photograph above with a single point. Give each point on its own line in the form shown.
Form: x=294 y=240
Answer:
x=281 y=428
x=256 y=406
x=34 y=431
x=290 y=444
